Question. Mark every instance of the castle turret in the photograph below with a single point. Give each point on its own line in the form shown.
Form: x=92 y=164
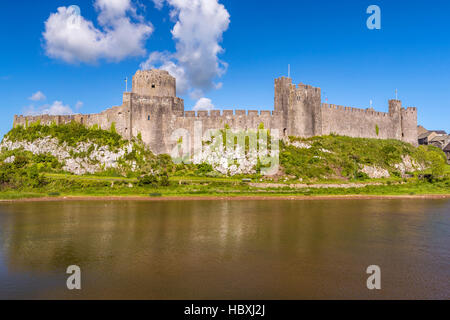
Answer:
x=300 y=106
x=395 y=112
x=154 y=83
x=409 y=126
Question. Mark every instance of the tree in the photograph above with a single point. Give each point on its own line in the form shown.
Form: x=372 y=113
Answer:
x=436 y=163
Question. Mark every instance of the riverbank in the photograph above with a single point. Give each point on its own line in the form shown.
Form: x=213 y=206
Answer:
x=227 y=198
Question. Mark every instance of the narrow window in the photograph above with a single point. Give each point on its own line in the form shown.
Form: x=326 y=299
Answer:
x=153 y=86
x=148 y=118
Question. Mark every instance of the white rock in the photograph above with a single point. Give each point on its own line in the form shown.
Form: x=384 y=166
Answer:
x=9 y=159
x=375 y=172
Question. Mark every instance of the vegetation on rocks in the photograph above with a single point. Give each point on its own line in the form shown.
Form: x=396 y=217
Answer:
x=72 y=134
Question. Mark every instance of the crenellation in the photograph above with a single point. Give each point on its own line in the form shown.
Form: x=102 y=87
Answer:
x=203 y=114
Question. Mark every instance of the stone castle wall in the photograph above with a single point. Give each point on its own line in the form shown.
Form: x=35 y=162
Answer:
x=117 y=115
x=363 y=123
x=153 y=111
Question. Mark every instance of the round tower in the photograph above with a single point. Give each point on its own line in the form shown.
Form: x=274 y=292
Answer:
x=154 y=83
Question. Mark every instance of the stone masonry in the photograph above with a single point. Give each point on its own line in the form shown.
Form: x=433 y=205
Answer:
x=152 y=110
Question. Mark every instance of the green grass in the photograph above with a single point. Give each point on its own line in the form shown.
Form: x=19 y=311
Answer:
x=86 y=186
x=15 y=195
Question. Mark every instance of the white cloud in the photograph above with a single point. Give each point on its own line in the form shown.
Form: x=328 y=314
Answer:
x=163 y=61
x=203 y=104
x=79 y=105
x=197 y=33
x=158 y=4
x=70 y=37
x=196 y=94
x=38 y=96
x=56 y=109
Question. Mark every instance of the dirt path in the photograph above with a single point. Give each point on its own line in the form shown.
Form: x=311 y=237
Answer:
x=315 y=186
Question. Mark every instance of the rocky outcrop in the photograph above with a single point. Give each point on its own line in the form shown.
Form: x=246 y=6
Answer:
x=408 y=165
x=235 y=161
x=375 y=172
x=83 y=158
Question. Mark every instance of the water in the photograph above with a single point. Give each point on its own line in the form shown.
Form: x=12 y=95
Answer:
x=226 y=249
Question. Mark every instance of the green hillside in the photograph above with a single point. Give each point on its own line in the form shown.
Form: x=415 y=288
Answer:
x=342 y=157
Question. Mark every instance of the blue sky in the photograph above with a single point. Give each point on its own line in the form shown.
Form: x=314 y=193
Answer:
x=326 y=43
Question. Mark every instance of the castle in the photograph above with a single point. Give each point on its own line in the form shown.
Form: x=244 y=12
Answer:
x=153 y=110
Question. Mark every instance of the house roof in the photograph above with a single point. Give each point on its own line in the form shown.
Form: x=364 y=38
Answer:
x=421 y=129
x=447 y=148
x=425 y=134
x=439 y=138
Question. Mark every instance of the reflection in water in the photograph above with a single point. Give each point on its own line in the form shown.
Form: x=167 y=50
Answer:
x=226 y=249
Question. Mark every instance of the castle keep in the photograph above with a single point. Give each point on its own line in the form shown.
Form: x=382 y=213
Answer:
x=153 y=110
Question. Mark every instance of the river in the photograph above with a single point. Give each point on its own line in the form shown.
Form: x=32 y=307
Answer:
x=275 y=249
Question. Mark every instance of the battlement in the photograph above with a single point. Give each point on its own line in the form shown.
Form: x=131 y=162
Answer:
x=46 y=119
x=410 y=110
x=229 y=113
x=284 y=80
x=368 y=111
x=303 y=87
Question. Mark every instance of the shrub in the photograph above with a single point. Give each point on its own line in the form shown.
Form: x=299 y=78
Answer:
x=148 y=180
x=361 y=176
x=20 y=161
x=113 y=128
x=204 y=168
x=164 y=180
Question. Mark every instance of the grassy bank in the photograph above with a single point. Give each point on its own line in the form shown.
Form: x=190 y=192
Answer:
x=103 y=186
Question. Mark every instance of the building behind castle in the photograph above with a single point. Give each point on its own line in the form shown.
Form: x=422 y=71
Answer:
x=153 y=111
